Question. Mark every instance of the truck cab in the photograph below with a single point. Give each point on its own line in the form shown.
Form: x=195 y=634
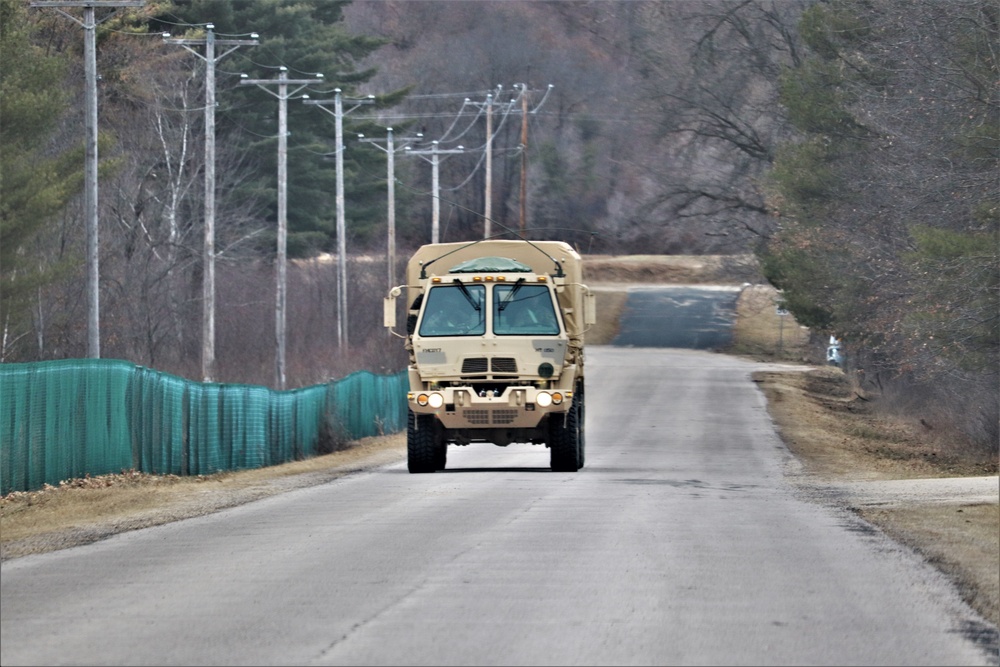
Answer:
x=496 y=350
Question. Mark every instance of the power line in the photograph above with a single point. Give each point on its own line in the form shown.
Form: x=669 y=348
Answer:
x=445 y=138
x=448 y=95
x=487 y=148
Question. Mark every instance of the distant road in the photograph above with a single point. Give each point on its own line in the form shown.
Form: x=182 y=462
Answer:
x=690 y=317
x=680 y=542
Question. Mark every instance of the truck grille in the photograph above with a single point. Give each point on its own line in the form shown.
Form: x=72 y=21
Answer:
x=504 y=365
x=477 y=416
x=482 y=417
x=504 y=416
x=474 y=365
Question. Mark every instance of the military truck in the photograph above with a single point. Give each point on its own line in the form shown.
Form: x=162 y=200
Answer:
x=495 y=337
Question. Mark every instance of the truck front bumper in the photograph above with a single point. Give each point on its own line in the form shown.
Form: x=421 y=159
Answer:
x=516 y=407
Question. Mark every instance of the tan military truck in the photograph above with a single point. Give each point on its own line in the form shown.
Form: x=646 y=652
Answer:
x=494 y=332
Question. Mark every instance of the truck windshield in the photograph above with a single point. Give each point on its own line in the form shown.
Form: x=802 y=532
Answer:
x=521 y=309
x=454 y=310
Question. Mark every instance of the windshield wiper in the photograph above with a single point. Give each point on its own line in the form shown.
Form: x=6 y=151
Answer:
x=467 y=294
x=510 y=295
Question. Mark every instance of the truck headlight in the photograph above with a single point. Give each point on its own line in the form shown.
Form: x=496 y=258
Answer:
x=557 y=398
x=433 y=399
x=543 y=399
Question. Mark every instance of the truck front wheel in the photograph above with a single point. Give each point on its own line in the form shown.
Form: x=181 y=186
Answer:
x=566 y=439
x=426 y=449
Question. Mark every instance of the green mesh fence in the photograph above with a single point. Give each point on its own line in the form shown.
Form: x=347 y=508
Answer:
x=65 y=419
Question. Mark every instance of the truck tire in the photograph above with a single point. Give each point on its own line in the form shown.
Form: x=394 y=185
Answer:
x=426 y=450
x=440 y=453
x=564 y=440
x=582 y=421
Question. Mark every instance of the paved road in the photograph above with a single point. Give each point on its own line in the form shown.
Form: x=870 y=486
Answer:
x=681 y=542
x=690 y=317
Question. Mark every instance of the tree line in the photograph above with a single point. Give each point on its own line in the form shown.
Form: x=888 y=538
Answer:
x=852 y=146
x=889 y=202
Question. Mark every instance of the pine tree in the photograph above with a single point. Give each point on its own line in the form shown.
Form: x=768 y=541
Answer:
x=36 y=180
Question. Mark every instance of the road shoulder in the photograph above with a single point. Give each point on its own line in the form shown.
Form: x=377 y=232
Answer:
x=847 y=454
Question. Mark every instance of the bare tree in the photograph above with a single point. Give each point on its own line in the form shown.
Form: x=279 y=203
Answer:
x=712 y=71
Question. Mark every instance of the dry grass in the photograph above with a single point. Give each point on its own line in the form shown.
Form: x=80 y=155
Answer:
x=762 y=333
x=839 y=433
x=672 y=269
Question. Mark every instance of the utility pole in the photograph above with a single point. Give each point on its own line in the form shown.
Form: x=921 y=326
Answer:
x=524 y=156
x=208 y=252
x=390 y=151
x=524 y=149
x=89 y=25
x=338 y=114
x=434 y=152
x=488 y=204
x=488 y=195
x=280 y=301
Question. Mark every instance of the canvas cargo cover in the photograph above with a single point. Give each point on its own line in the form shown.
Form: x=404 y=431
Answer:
x=541 y=256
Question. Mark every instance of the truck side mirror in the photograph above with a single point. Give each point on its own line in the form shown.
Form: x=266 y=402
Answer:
x=589 y=308
x=389 y=312
x=389 y=308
